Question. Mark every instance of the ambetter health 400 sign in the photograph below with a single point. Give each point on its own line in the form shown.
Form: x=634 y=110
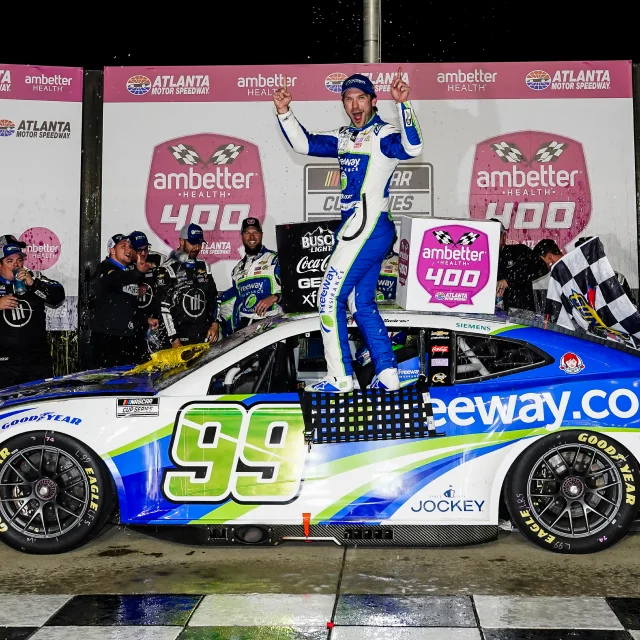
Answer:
x=40 y=153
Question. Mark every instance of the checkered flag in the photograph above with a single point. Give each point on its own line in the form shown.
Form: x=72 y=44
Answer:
x=468 y=238
x=225 y=154
x=550 y=152
x=508 y=152
x=443 y=237
x=584 y=292
x=185 y=154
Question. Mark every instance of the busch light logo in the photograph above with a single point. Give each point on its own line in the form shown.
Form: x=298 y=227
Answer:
x=208 y=179
x=403 y=262
x=318 y=241
x=453 y=264
x=535 y=183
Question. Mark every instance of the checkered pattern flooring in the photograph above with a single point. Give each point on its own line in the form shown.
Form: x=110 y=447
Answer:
x=316 y=617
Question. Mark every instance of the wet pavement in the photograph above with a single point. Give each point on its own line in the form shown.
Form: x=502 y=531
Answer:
x=163 y=589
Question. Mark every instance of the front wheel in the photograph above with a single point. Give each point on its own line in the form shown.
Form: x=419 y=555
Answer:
x=55 y=493
x=573 y=491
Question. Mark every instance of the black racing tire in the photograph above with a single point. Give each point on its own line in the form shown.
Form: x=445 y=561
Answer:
x=55 y=493
x=573 y=491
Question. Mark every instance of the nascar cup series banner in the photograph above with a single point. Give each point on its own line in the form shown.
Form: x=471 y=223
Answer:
x=40 y=153
x=545 y=147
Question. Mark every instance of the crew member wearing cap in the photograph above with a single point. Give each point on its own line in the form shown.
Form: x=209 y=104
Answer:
x=115 y=323
x=24 y=351
x=368 y=151
x=518 y=268
x=255 y=291
x=187 y=292
x=148 y=304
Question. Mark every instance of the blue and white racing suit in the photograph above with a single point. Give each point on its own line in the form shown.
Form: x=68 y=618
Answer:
x=368 y=158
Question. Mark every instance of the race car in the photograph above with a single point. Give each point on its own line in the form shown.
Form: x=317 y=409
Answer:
x=496 y=417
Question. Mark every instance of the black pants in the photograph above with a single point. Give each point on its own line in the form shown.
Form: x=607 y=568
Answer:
x=115 y=351
x=12 y=372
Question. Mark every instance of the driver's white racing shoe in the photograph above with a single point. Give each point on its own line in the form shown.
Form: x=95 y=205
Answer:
x=386 y=379
x=329 y=384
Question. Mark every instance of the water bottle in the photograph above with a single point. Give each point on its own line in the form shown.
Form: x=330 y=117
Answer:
x=19 y=287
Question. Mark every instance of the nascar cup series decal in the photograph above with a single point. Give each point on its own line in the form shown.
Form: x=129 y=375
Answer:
x=453 y=264
x=208 y=179
x=535 y=183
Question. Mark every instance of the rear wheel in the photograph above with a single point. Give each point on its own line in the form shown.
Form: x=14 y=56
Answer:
x=55 y=493
x=573 y=491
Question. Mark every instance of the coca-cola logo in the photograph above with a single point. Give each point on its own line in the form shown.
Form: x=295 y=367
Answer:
x=440 y=348
x=535 y=183
x=209 y=179
x=315 y=265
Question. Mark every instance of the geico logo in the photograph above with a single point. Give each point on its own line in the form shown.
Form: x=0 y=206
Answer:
x=309 y=283
x=545 y=408
x=546 y=177
x=222 y=178
x=477 y=75
x=536 y=528
x=610 y=450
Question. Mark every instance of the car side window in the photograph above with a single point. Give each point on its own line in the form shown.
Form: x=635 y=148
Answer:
x=480 y=357
x=269 y=370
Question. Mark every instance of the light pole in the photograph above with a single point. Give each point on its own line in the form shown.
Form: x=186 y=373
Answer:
x=371 y=30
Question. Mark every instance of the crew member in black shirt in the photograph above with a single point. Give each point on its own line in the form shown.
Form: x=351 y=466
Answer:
x=518 y=268
x=115 y=322
x=24 y=351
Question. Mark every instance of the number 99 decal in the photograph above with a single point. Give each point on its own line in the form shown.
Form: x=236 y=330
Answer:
x=225 y=450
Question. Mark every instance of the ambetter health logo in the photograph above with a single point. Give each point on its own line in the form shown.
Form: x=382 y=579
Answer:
x=536 y=183
x=209 y=179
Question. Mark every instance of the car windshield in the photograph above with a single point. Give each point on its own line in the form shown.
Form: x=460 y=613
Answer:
x=200 y=358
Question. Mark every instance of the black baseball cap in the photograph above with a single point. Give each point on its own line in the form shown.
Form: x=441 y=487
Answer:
x=9 y=239
x=251 y=222
x=547 y=246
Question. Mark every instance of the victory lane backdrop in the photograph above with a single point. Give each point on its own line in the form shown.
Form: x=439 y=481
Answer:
x=546 y=147
x=40 y=154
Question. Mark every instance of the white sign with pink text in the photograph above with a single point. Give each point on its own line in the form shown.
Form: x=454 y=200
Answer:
x=448 y=265
x=40 y=154
x=546 y=147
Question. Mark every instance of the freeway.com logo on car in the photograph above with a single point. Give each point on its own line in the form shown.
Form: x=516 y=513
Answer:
x=535 y=183
x=208 y=179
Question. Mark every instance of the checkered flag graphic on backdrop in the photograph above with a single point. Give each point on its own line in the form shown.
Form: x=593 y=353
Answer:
x=550 y=152
x=508 y=152
x=468 y=238
x=225 y=154
x=585 y=292
x=443 y=237
x=185 y=154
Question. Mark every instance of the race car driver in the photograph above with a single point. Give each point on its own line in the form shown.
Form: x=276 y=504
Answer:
x=255 y=291
x=187 y=292
x=368 y=151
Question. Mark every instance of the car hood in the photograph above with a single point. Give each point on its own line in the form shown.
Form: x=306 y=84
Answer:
x=115 y=381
